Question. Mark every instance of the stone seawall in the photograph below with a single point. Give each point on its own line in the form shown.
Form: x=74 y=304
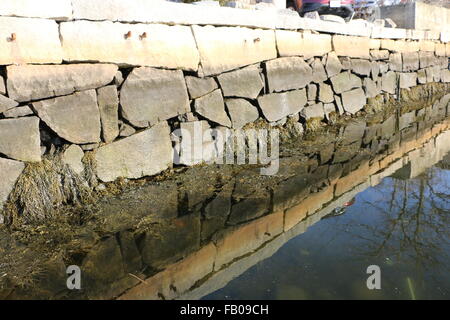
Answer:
x=101 y=85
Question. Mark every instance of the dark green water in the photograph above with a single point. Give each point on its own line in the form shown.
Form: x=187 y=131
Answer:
x=401 y=225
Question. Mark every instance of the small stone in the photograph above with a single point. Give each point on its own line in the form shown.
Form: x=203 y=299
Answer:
x=361 y=67
x=370 y=87
x=395 y=62
x=318 y=71
x=18 y=112
x=20 y=139
x=410 y=61
x=198 y=87
x=314 y=111
x=90 y=146
x=326 y=94
x=10 y=170
x=126 y=130
x=389 y=82
x=333 y=65
x=108 y=105
x=244 y=83
x=188 y=117
x=407 y=80
x=2 y=86
x=312 y=92
x=276 y=106
x=288 y=73
x=73 y=156
x=241 y=112
x=212 y=107
x=353 y=100
x=328 y=108
x=118 y=79
x=7 y=103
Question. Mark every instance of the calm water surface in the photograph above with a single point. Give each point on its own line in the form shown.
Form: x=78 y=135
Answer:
x=402 y=225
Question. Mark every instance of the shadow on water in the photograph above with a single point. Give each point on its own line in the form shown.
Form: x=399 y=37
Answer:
x=368 y=193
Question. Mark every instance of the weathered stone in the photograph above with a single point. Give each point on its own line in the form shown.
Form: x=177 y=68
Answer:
x=199 y=87
x=50 y=9
x=375 y=70
x=241 y=112
x=72 y=156
x=361 y=67
x=440 y=49
x=407 y=80
x=292 y=43
x=75 y=118
x=353 y=100
x=244 y=83
x=312 y=92
x=2 y=85
x=395 y=62
x=379 y=54
x=389 y=82
x=34 y=82
x=353 y=47
x=445 y=76
x=370 y=87
x=11 y=171
x=422 y=76
x=406 y=120
x=30 y=46
x=313 y=111
x=151 y=95
x=345 y=81
x=276 y=106
x=193 y=143
x=426 y=59
x=212 y=107
x=339 y=104
x=325 y=93
x=20 y=138
x=328 y=108
x=165 y=46
x=384 y=67
x=346 y=63
x=224 y=48
x=126 y=130
x=144 y=154
x=188 y=117
x=7 y=103
x=18 y=112
x=410 y=61
x=318 y=71
x=118 y=79
x=288 y=73
x=108 y=105
x=333 y=65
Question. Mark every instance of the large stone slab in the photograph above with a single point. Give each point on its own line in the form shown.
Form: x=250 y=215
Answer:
x=159 y=11
x=353 y=47
x=353 y=100
x=226 y=48
x=212 y=107
x=75 y=118
x=241 y=112
x=150 y=95
x=51 y=9
x=143 y=154
x=152 y=45
x=245 y=83
x=307 y=45
x=288 y=73
x=108 y=105
x=276 y=106
x=11 y=171
x=20 y=139
x=34 y=82
x=36 y=41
